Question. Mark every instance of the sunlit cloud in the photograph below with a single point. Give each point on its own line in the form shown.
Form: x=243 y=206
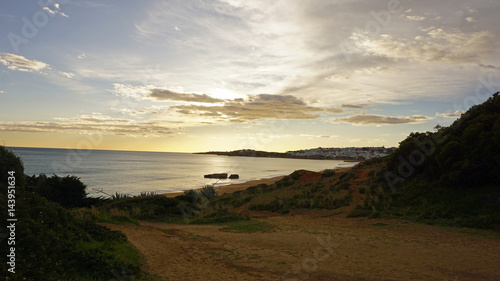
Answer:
x=56 y=11
x=161 y=94
x=367 y=119
x=455 y=114
x=309 y=136
x=355 y=106
x=248 y=109
x=20 y=63
x=415 y=18
x=256 y=107
x=470 y=19
x=67 y=74
x=435 y=44
x=155 y=110
x=91 y=124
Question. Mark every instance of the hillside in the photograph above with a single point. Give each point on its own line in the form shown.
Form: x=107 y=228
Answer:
x=450 y=176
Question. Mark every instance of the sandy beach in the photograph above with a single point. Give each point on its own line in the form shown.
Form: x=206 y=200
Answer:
x=230 y=188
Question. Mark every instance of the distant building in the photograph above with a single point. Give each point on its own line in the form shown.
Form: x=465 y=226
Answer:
x=347 y=152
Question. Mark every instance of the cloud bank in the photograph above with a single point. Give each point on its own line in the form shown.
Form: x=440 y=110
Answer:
x=367 y=119
x=92 y=124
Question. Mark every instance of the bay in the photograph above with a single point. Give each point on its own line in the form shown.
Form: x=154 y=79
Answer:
x=133 y=172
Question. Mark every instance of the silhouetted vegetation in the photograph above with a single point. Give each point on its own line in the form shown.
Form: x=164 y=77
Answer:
x=52 y=243
x=67 y=191
x=154 y=208
x=328 y=173
x=449 y=176
x=219 y=216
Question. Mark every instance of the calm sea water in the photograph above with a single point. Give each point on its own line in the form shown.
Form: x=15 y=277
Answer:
x=133 y=172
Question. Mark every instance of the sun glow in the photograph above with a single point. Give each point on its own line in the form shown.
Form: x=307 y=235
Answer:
x=224 y=94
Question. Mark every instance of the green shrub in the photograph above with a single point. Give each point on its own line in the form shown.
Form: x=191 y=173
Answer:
x=219 y=216
x=155 y=207
x=328 y=173
x=209 y=192
x=297 y=174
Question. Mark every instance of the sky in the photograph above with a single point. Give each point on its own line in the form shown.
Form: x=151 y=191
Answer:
x=203 y=75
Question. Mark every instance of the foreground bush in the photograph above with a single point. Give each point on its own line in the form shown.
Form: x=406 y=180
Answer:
x=51 y=244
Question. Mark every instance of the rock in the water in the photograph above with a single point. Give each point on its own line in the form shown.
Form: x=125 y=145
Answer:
x=216 y=176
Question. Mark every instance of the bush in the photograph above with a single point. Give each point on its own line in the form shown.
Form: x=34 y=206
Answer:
x=67 y=191
x=155 y=207
x=209 y=192
x=190 y=196
x=52 y=237
x=220 y=216
x=328 y=173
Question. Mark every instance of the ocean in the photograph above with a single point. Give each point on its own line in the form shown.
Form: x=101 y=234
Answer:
x=133 y=172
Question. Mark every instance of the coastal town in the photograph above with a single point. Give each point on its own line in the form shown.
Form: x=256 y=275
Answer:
x=360 y=153
x=336 y=153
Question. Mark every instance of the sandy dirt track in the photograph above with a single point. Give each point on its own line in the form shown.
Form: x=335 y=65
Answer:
x=317 y=245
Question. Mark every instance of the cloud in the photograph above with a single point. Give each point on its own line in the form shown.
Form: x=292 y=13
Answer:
x=355 y=106
x=82 y=56
x=57 y=10
x=489 y=66
x=2 y=92
x=142 y=111
x=149 y=93
x=253 y=107
x=67 y=74
x=470 y=19
x=162 y=94
x=91 y=124
x=435 y=44
x=367 y=119
x=455 y=114
x=20 y=63
x=415 y=18
x=308 y=136
x=263 y=106
x=333 y=110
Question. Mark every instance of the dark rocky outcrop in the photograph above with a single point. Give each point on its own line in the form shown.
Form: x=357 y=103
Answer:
x=216 y=176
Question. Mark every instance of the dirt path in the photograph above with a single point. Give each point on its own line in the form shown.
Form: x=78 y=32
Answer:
x=318 y=246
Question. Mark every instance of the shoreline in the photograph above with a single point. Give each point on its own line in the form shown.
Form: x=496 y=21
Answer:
x=277 y=155
x=230 y=188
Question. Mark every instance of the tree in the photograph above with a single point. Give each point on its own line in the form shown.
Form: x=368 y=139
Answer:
x=9 y=162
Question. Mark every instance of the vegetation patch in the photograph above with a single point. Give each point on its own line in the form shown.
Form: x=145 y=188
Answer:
x=219 y=216
x=154 y=208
